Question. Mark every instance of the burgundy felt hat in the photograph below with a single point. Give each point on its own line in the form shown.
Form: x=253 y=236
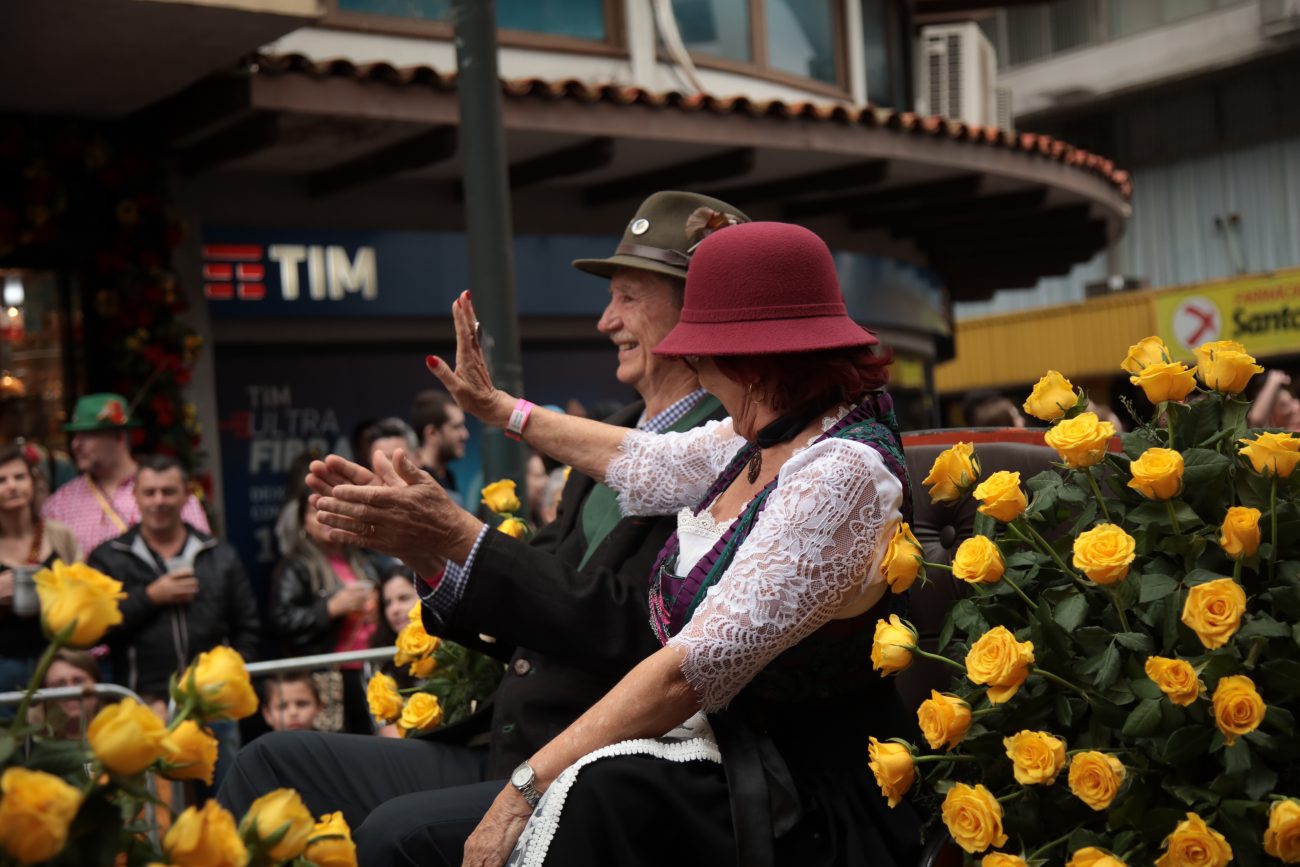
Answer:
x=760 y=289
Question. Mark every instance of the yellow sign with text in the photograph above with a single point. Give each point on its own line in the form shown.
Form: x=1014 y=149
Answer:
x=1262 y=312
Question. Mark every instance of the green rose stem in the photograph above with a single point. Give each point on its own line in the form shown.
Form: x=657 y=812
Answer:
x=1043 y=849
x=1119 y=609
x=1096 y=492
x=1011 y=797
x=919 y=652
x=183 y=714
x=1046 y=548
x=1236 y=569
x=1060 y=681
x=1272 y=505
x=47 y=659
x=1033 y=606
x=1173 y=517
x=1255 y=649
x=984 y=711
x=916 y=760
x=1169 y=423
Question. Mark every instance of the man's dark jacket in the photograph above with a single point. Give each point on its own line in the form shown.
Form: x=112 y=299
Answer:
x=569 y=635
x=153 y=641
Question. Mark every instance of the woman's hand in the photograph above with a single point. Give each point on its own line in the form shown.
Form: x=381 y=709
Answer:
x=495 y=837
x=470 y=384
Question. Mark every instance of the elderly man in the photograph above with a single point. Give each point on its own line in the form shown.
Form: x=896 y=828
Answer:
x=568 y=610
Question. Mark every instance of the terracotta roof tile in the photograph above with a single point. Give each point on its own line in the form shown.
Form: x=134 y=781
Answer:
x=618 y=94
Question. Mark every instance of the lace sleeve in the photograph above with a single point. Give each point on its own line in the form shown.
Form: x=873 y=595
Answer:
x=815 y=547
x=657 y=474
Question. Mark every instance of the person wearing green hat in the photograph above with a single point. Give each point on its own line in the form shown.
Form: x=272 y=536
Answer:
x=99 y=504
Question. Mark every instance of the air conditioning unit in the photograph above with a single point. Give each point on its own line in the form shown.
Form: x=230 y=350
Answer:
x=957 y=73
x=1279 y=18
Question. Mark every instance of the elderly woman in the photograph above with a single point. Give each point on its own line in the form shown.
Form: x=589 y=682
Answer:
x=744 y=738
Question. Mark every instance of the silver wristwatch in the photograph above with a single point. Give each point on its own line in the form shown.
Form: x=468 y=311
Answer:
x=523 y=778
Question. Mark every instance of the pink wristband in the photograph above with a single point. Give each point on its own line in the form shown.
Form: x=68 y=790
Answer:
x=518 y=418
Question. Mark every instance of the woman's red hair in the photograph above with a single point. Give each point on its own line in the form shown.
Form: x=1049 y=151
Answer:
x=807 y=381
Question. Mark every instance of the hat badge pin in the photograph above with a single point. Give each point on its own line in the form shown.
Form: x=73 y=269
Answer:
x=640 y=226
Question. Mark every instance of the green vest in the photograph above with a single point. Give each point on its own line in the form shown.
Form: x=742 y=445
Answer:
x=600 y=513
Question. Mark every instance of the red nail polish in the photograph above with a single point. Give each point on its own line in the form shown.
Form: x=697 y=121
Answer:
x=431 y=360
x=467 y=294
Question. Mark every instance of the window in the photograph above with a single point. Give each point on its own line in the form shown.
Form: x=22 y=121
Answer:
x=40 y=328
x=577 y=19
x=720 y=28
x=801 y=38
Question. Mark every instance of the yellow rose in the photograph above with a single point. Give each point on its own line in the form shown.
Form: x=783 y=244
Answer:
x=1052 y=397
x=893 y=767
x=1095 y=778
x=1213 y=611
x=1091 y=856
x=513 y=527
x=1104 y=553
x=1195 y=844
x=1271 y=454
x=1000 y=662
x=127 y=737
x=973 y=817
x=1080 y=441
x=1146 y=352
x=416 y=614
x=891 y=646
x=221 y=679
x=1161 y=381
x=413 y=643
x=78 y=594
x=1157 y=474
x=274 y=811
x=501 y=498
x=1002 y=859
x=902 y=560
x=384 y=699
x=1176 y=679
x=1282 y=838
x=1224 y=366
x=943 y=719
x=36 y=809
x=424 y=667
x=1036 y=757
x=422 y=712
x=953 y=473
x=1239 y=534
x=331 y=843
x=1238 y=708
x=191 y=750
x=978 y=561
x=205 y=837
x=1000 y=496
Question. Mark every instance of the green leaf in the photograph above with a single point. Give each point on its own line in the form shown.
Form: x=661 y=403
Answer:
x=1136 y=443
x=1145 y=687
x=1155 y=586
x=7 y=745
x=1139 y=641
x=61 y=758
x=1070 y=612
x=1280 y=719
x=1281 y=676
x=1188 y=744
x=1263 y=626
x=985 y=525
x=1205 y=477
x=945 y=634
x=1144 y=719
x=1236 y=758
x=1200 y=425
x=1109 y=668
x=966 y=616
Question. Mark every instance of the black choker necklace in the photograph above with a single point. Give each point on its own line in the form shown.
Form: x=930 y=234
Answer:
x=783 y=429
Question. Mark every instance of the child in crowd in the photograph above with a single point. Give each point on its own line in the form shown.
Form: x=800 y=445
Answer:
x=291 y=702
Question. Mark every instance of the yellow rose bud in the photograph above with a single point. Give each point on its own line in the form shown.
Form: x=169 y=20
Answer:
x=1238 y=709
x=1081 y=441
x=1157 y=474
x=1213 y=611
x=1036 y=757
x=416 y=614
x=1002 y=859
x=423 y=667
x=1149 y=351
x=422 y=712
x=1282 y=837
x=1104 y=553
x=1224 y=366
x=1091 y=856
x=973 y=818
x=1161 y=381
x=384 y=699
x=501 y=498
x=902 y=561
x=1052 y=397
x=271 y=813
x=331 y=843
x=1000 y=496
x=1095 y=778
x=413 y=643
x=954 y=472
x=221 y=679
x=191 y=753
x=1000 y=662
x=78 y=595
x=205 y=837
x=978 y=561
x=1271 y=454
x=892 y=645
x=1176 y=679
x=1239 y=534
x=1195 y=844
x=127 y=737
x=513 y=527
x=36 y=809
x=943 y=719
x=894 y=769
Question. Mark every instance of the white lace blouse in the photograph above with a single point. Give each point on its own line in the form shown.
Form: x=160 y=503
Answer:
x=815 y=547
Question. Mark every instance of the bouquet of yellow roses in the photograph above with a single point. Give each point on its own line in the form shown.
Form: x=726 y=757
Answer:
x=1127 y=661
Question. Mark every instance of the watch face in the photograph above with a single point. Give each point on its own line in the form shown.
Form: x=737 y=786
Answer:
x=522 y=776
